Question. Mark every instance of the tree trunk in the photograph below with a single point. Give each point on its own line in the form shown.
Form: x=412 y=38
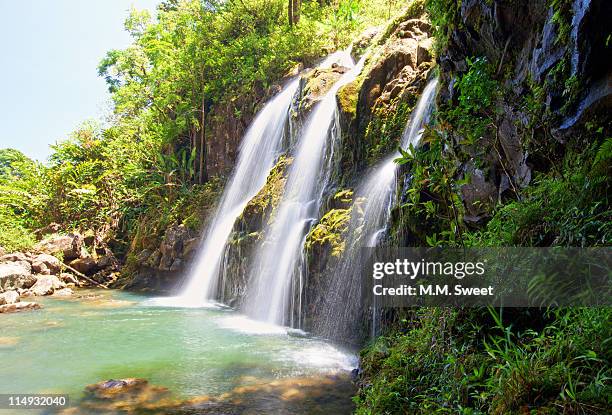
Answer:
x=203 y=176
x=294 y=11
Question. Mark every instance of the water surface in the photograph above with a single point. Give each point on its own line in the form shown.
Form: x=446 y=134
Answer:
x=71 y=343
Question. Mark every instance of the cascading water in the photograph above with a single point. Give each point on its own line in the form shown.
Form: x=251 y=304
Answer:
x=279 y=257
x=339 y=316
x=258 y=150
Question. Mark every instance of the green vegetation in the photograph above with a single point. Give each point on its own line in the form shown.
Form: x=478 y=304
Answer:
x=449 y=361
x=384 y=132
x=147 y=168
x=498 y=361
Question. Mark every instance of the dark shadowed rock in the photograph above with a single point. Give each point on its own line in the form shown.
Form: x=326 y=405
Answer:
x=84 y=265
x=478 y=195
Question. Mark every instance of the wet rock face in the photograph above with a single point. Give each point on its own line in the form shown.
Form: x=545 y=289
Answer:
x=249 y=231
x=524 y=37
x=400 y=64
x=527 y=47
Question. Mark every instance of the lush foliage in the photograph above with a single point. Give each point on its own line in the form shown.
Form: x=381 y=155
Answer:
x=486 y=362
x=132 y=175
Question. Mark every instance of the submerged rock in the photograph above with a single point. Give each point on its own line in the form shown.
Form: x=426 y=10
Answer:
x=20 y=306
x=64 y=292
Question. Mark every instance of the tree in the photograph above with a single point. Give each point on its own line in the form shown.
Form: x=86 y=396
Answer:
x=294 y=11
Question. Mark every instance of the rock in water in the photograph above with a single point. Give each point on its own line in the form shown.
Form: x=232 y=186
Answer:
x=46 y=284
x=20 y=306
x=9 y=297
x=64 y=292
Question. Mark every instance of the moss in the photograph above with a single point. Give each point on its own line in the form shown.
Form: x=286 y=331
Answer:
x=384 y=132
x=348 y=96
x=343 y=197
x=268 y=198
x=318 y=83
x=329 y=231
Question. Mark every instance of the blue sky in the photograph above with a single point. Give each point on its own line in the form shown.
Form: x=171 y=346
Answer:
x=49 y=55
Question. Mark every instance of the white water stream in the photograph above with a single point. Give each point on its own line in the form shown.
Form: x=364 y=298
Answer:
x=277 y=267
x=340 y=315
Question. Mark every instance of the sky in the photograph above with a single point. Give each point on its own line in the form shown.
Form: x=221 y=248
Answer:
x=50 y=50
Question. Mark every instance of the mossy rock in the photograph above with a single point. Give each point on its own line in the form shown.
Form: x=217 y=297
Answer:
x=260 y=209
x=328 y=235
x=329 y=231
x=318 y=82
x=348 y=96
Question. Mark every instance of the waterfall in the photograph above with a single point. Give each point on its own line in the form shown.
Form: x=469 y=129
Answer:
x=258 y=151
x=279 y=258
x=340 y=315
x=264 y=140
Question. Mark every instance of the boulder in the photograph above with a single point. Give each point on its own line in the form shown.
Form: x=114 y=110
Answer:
x=14 y=257
x=20 y=306
x=46 y=262
x=86 y=265
x=70 y=246
x=171 y=247
x=68 y=278
x=15 y=275
x=47 y=284
x=9 y=297
x=189 y=247
x=64 y=292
